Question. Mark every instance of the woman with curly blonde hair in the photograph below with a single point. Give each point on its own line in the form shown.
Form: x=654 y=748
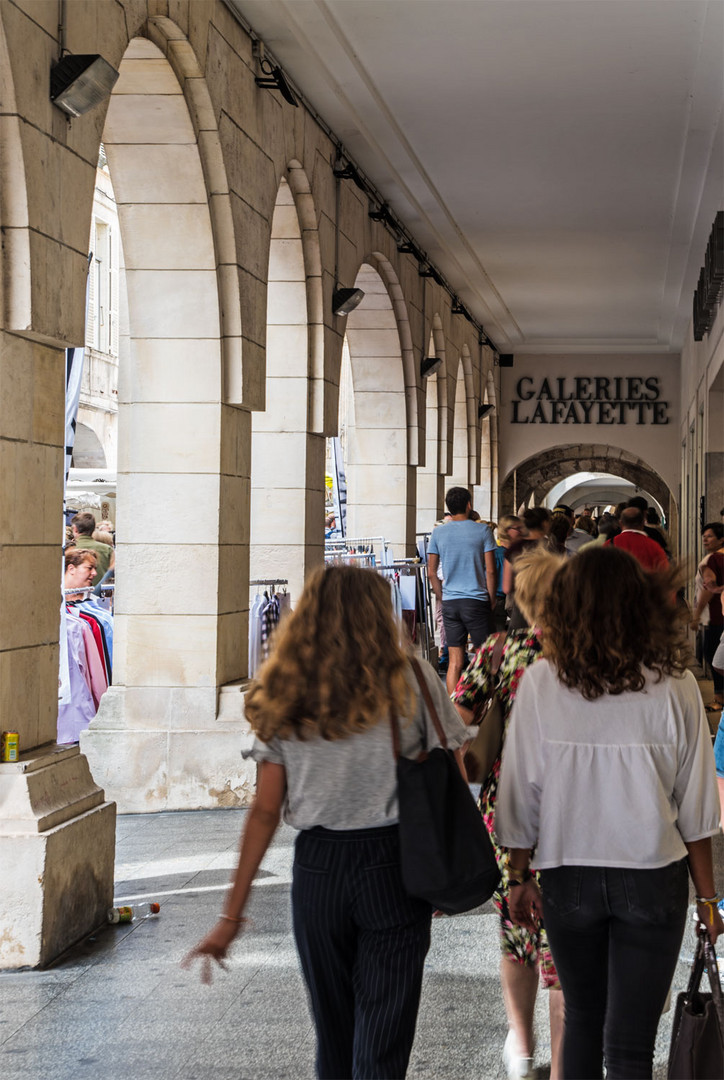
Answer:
x=609 y=772
x=321 y=710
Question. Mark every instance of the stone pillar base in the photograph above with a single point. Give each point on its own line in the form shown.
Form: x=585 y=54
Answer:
x=57 y=848
x=168 y=749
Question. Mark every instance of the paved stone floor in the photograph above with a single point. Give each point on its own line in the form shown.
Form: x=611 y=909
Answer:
x=119 y=1007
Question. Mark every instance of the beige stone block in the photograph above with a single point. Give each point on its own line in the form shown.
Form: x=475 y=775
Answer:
x=251 y=230
x=181 y=508
x=232 y=646
x=228 y=283
x=73 y=859
x=253 y=375
x=142 y=49
x=173 y=303
x=170 y=438
x=12 y=172
x=172 y=579
x=29 y=693
x=287 y=303
x=132 y=766
x=286 y=406
x=30 y=54
x=172 y=650
x=286 y=351
x=58 y=277
x=154 y=708
x=23 y=520
x=279 y=459
x=380 y=410
x=201 y=108
x=217 y=776
x=379 y=485
x=286 y=260
x=285 y=222
x=148 y=118
x=279 y=561
x=377 y=374
x=376 y=343
x=149 y=75
x=48 y=396
x=233 y=577
x=157 y=174
x=278 y=516
x=167 y=237
x=29 y=579
x=175 y=370
x=235 y=441
x=222 y=223
x=385 y=447
x=234 y=498
x=213 y=163
x=16 y=387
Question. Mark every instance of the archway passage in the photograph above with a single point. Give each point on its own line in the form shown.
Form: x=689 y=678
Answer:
x=287 y=472
x=431 y=475
x=380 y=483
x=535 y=477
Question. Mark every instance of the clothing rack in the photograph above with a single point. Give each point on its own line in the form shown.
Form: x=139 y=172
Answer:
x=424 y=626
x=269 y=581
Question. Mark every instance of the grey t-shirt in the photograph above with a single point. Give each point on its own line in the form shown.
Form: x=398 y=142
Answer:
x=351 y=783
x=461 y=546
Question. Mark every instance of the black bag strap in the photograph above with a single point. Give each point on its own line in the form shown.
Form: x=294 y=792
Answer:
x=427 y=697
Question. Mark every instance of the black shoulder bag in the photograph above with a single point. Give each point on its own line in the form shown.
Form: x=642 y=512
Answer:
x=697 y=1036
x=445 y=851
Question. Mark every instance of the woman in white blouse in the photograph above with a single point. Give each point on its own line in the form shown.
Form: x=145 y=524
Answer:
x=608 y=769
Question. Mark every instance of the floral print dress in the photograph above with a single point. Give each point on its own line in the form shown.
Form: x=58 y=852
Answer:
x=522 y=648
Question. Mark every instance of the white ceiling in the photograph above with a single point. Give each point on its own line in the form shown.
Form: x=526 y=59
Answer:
x=561 y=161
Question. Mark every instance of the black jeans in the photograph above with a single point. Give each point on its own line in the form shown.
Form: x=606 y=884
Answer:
x=362 y=942
x=712 y=637
x=615 y=936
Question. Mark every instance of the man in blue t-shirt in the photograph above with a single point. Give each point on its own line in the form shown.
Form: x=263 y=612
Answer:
x=466 y=551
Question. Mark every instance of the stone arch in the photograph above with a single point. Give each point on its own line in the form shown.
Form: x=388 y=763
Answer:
x=464 y=421
x=431 y=475
x=380 y=481
x=88 y=452
x=15 y=258
x=287 y=477
x=183 y=462
x=486 y=500
x=534 y=477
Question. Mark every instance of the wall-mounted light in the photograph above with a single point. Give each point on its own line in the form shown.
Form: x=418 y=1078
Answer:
x=431 y=272
x=348 y=172
x=346 y=300
x=485 y=410
x=273 y=78
x=429 y=365
x=79 y=83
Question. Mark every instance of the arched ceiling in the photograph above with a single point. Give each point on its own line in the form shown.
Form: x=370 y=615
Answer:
x=561 y=161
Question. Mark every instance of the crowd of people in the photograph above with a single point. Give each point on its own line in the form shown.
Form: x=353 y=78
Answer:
x=601 y=803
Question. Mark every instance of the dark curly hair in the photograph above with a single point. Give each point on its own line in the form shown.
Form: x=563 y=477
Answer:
x=606 y=619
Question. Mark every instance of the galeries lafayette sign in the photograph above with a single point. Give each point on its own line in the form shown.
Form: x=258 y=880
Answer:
x=589 y=399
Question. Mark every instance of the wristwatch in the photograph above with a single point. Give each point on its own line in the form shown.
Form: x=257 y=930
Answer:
x=521 y=876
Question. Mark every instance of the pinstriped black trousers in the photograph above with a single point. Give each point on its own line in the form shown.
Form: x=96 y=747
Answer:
x=362 y=942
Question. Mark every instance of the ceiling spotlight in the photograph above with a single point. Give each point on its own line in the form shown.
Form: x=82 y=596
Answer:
x=381 y=214
x=78 y=83
x=429 y=365
x=274 y=79
x=485 y=410
x=408 y=248
x=348 y=172
x=431 y=272
x=346 y=300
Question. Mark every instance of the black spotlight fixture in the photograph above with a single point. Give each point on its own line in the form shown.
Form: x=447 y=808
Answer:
x=348 y=172
x=485 y=410
x=274 y=79
x=78 y=83
x=429 y=365
x=346 y=300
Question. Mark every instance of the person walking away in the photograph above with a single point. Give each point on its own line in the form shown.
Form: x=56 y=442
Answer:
x=612 y=699
x=634 y=540
x=525 y=954
x=321 y=710
x=466 y=551
x=84 y=526
x=510 y=528
x=710 y=597
x=537 y=524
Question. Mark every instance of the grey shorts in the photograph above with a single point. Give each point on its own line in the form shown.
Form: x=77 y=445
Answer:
x=463 y=617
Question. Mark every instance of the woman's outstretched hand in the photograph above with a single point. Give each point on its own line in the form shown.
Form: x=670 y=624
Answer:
x=214 y=946
x=525 y=904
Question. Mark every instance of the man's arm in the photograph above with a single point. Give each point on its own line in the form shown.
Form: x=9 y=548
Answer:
x=490 y=577
x=433 y=561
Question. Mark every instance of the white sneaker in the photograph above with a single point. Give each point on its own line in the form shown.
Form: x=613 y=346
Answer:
x=518 y=1068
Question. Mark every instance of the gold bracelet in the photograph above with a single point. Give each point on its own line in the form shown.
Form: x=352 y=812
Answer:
x=234 y=918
